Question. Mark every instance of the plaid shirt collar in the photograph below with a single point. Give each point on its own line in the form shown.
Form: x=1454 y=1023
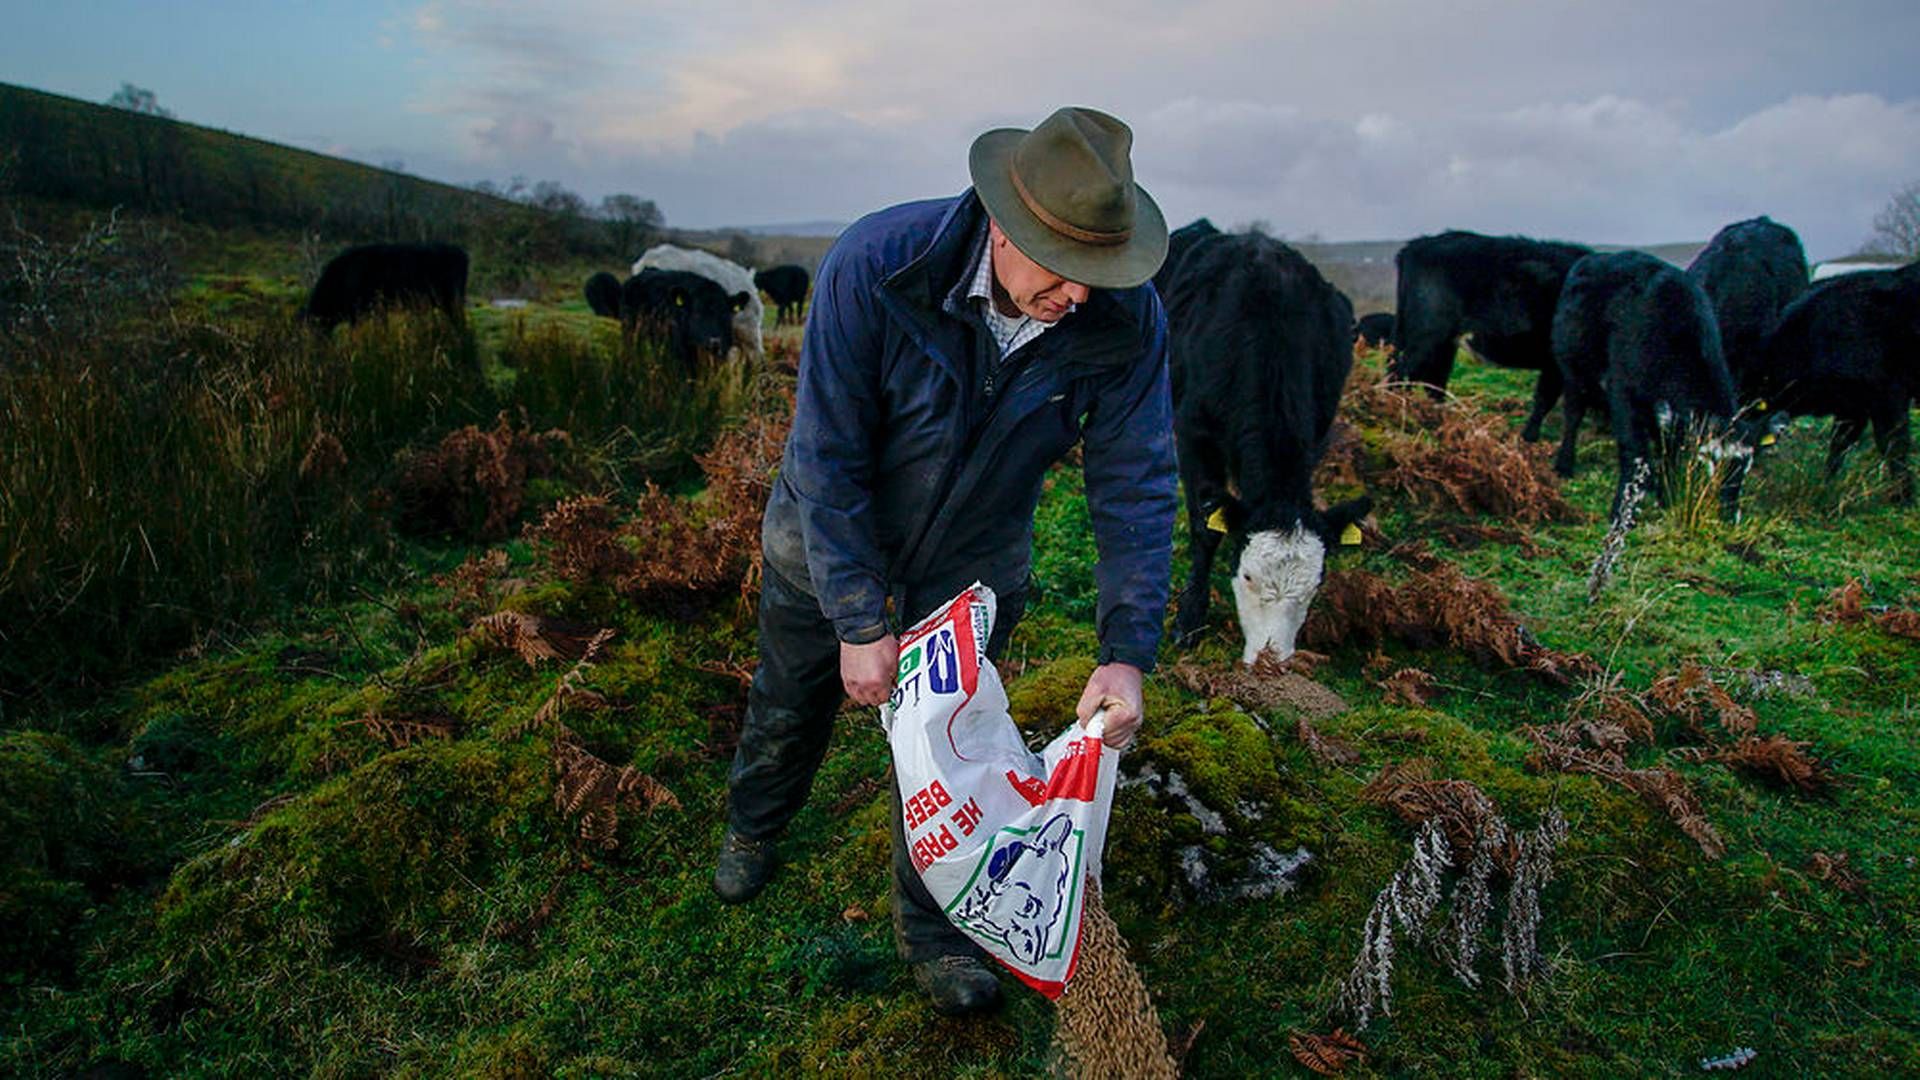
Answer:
x=1009 y=332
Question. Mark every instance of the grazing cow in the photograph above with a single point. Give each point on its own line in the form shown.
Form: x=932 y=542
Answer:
x=735 y=280
x=1500 y=291
x=603 y=295
x=1637 y=335
x=1850 y=349
x=364 y=279
x=1751 y=271
x=1261 y=345
x=692 y=314
x=787 y=285
x=1179 y=242
x=1374 y=330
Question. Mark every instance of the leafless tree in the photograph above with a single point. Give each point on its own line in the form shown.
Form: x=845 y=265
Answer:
x=1896 y=229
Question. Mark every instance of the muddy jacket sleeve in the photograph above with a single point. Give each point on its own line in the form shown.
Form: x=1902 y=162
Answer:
x=1131 y=498
x=831 y=457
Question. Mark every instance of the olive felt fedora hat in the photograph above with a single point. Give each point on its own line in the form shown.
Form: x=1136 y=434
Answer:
x=1064 y=194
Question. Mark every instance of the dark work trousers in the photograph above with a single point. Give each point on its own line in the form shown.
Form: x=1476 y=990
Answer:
x=795 y=694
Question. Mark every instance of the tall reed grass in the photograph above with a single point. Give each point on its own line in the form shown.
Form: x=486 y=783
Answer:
x=163 y=479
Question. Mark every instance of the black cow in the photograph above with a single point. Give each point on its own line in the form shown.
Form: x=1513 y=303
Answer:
x=1261 y=346
x=1179 y=243
x=1637 y=336
x=1850 y=349
x=1751 y=271
x=692 y=313
x=787 y=286
x=364 y=279
x=1500 y=290
x=603 y=295
x=1374 y=330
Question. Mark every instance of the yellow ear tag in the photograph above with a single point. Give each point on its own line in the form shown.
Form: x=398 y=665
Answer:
x=1768 y=439
x=1217 y=521
x=1350 y=536
x=1761 y=405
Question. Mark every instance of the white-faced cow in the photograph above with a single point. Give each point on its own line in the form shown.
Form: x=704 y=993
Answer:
x=1495 y=292
x=1261 y=345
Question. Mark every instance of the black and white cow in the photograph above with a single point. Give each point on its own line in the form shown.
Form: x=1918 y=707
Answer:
x=1374 y=330
x=1261 y=345
x=364 y=279
x=1850 y=349
x=603 y=295
x=1636 y=335
x=1496 y=291
x=787 y=286
x=1751 y=270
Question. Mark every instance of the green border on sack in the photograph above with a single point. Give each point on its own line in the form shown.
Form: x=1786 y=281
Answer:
x=1073 y=892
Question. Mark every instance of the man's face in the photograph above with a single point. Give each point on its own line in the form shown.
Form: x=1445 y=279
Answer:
x=1038 y=292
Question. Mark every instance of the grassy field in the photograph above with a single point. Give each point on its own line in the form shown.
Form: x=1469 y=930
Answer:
x=352 y=835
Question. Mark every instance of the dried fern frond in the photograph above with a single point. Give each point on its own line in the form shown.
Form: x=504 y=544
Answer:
x=1411 y=687
x=538 y=637
x=1775 y=758
x=1836 y=870
x=1404 y=905
x=1463 y=811
x=586 y=786
x=1329 y=750
x=1691 y=696
x=1328 y=1054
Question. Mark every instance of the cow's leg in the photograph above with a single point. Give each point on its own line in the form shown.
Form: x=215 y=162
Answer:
x=1894 y=439
x=1630 y=434
x=1545 y=393
x=1203 y=474
x=1576 y=411
x=1846 y=431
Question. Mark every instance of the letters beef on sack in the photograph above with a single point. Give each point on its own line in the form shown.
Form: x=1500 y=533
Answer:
x=1005 y=839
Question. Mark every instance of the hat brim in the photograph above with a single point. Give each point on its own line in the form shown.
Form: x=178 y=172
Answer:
x=1118 y=266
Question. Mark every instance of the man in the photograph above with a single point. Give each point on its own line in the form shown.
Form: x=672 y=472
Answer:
x=956 y=349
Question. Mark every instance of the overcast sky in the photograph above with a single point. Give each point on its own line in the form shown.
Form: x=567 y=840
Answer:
x=1628 y=121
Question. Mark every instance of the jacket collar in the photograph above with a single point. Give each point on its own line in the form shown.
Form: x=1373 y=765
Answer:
x=934 y=284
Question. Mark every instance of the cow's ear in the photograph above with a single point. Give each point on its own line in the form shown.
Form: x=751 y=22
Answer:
x=1225 y=515
x=1339 y=526
x=739 y=302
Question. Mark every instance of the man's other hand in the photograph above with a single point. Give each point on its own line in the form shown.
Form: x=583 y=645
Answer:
x=1116 y=687
x=867 y=671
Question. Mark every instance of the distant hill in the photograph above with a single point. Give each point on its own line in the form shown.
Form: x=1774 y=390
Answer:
x=827 y=229
x=93 y=155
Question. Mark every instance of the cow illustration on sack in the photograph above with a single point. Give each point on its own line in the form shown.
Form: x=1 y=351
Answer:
x=1025 y=893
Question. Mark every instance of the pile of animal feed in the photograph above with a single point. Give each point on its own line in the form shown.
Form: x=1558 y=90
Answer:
x=1107 y=1025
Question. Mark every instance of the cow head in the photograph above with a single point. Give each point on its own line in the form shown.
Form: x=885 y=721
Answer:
x=1280 y=570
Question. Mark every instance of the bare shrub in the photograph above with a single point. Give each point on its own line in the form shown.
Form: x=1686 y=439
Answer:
x=474 y=482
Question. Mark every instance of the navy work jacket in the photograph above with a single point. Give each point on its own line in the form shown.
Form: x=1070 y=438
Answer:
x=899 y=477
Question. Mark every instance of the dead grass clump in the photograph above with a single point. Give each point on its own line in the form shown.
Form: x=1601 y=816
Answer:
x=1847 y=604
x=1836 y=870
x=1106 y=1024
x=474 y=482
x=1774 y=758
x=1470 y=463
x=1434 y=607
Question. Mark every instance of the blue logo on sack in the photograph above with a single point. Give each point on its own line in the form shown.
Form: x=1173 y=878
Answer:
x=943 y=663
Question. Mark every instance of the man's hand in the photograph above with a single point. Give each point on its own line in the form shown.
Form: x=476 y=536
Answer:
x=1117 y=688
x=867 y=671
